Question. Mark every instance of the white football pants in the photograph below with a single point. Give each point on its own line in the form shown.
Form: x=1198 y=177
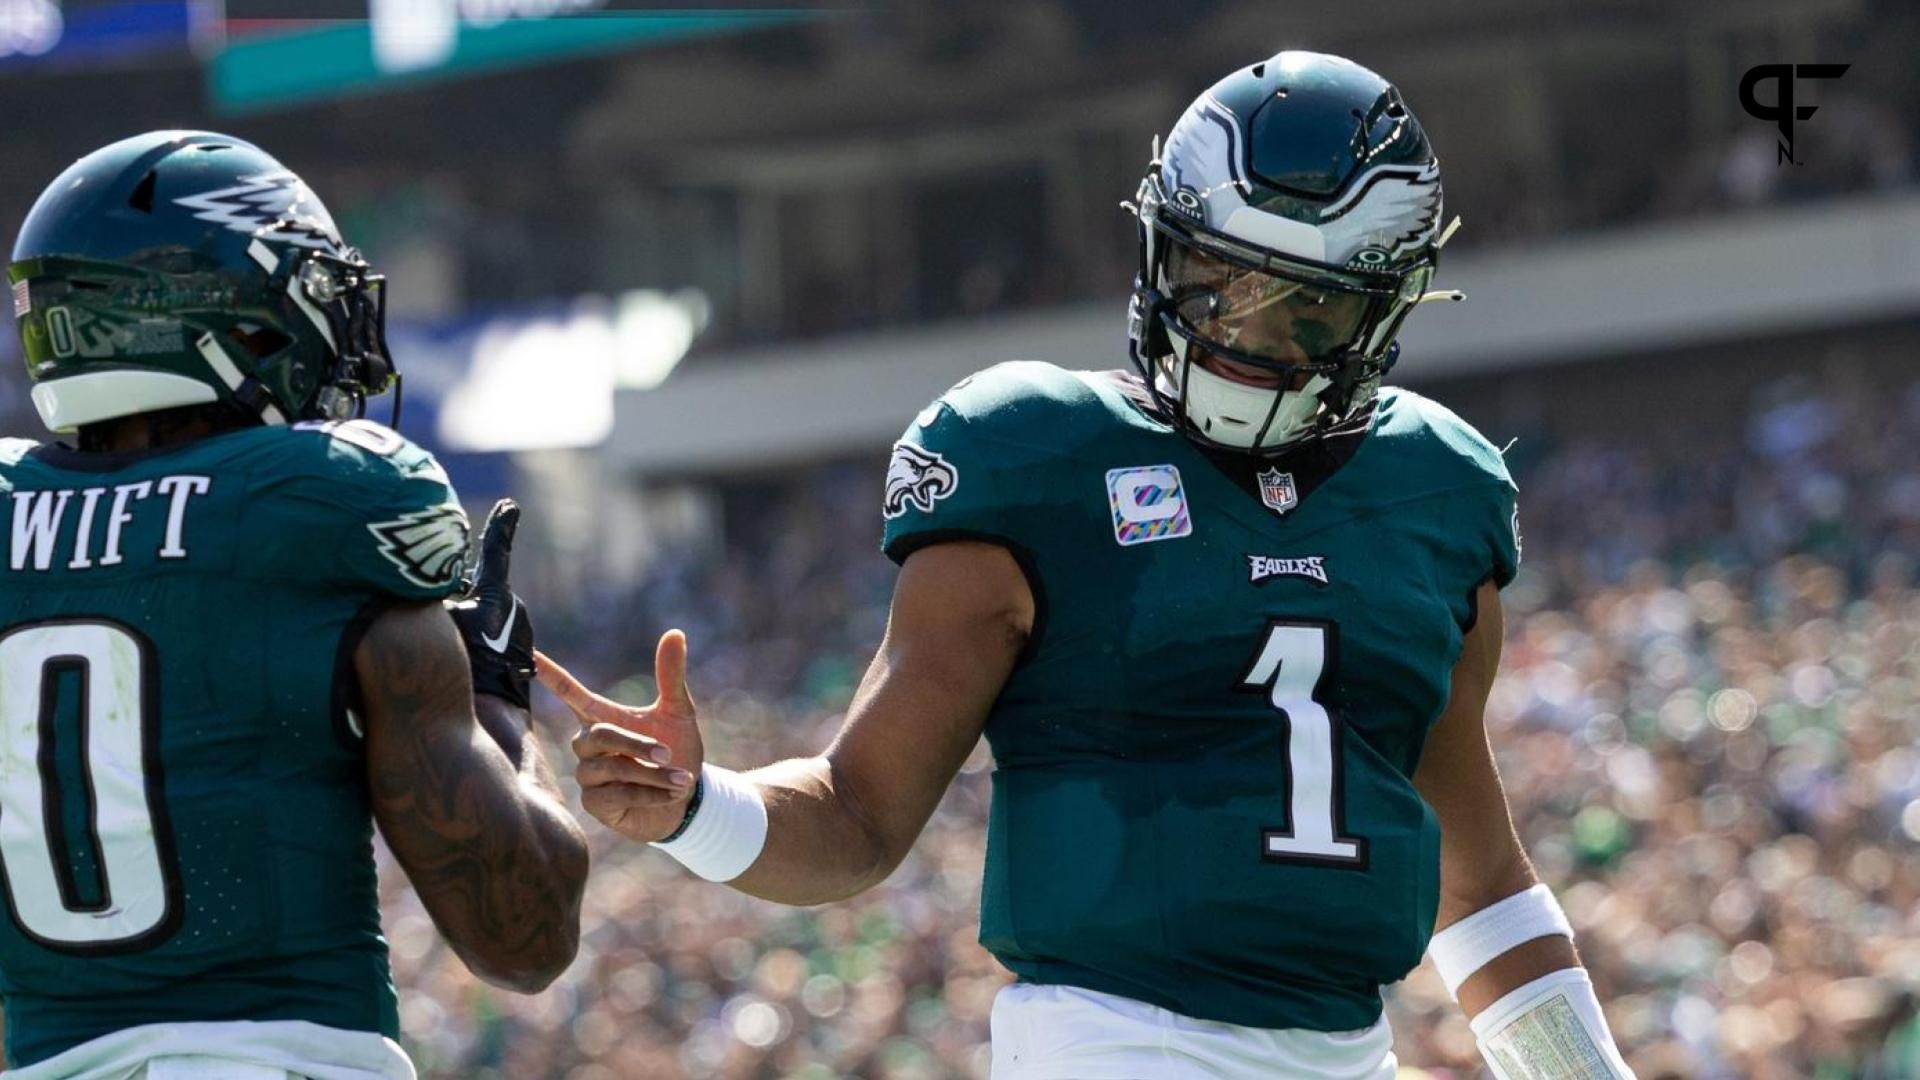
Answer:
x=1067 y=1033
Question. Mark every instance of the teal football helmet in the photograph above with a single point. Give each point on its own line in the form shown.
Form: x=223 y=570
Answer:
x=1288 y=226
x=182 y=268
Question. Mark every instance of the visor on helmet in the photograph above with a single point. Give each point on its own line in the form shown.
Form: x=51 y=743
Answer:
x=1262 y=313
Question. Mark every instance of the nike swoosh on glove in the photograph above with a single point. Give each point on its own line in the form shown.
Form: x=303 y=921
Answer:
x=494 y=623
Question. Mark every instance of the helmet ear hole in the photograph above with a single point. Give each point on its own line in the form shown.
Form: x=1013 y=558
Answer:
x=259 y=341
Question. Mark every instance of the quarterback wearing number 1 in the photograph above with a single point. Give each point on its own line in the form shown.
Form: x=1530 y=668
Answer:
x=1228 y=622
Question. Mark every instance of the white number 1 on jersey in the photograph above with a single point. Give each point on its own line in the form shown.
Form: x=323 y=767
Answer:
x=1288 y=669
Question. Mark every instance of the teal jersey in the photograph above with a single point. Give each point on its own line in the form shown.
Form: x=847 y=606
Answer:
x=184 y=825
x=1203 y=796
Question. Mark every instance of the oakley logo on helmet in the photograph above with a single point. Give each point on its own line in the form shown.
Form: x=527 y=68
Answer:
x=1782 y=112
x=275 y=207
x=917 y=477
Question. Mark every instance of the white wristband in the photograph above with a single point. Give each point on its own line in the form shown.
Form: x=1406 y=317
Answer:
x=1467 y=946
x=1550 y=1029
x=727 y=831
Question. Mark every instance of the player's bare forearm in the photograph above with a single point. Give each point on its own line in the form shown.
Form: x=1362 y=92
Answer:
x=1476 y=875
x=1482 y=861
x=822 y=846
x=511 y=727
x=837 y=823
x=492 y=850
x=841 y=822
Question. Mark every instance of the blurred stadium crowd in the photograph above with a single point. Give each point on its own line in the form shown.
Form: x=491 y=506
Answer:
x=1707 y=718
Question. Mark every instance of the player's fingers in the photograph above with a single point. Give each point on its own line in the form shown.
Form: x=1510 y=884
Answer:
x=670 y=671
x=587 y=705
x=600 y=740
x=601 y=771
x=612 y=802
x=496 y=545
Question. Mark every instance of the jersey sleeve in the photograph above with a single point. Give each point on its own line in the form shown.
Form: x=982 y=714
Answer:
x=949 y=480
x=1489 y=516
x=367 y=509
x=1503 y=535
x=1473 y=471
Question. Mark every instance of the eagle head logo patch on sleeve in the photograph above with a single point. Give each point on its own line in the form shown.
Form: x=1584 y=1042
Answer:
x=917 y=477
x=429 y=546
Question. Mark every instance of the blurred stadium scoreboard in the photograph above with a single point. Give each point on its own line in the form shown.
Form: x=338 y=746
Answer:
x=274 y=62
x=265 y=54
x=37 y=34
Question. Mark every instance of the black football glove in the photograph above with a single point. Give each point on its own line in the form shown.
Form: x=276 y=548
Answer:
x=496 y=626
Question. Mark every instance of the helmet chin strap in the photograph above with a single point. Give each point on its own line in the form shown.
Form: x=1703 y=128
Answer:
x=250 y=392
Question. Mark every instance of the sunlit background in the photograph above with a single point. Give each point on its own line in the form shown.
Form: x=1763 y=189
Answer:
x=676 y=279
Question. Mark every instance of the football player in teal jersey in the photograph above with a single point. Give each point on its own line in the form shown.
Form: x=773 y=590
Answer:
x=224 y=653
x=1228 y=622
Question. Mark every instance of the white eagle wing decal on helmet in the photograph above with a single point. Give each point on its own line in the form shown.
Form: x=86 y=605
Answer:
x=917 y=477
x=1396 y=210
x=277 y=207
x=1203 y=158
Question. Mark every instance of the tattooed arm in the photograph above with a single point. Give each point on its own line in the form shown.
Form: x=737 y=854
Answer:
x=468 y=804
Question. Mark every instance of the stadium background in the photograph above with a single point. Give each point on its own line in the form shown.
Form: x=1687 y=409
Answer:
x=675 y=282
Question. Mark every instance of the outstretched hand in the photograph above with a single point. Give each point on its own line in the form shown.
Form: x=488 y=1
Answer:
x=637 y=764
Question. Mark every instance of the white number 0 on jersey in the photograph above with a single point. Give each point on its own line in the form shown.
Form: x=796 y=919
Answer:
x=1288 y=669
x=138 y=901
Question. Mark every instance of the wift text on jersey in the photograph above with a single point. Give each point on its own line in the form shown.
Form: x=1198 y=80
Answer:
x=40 y=538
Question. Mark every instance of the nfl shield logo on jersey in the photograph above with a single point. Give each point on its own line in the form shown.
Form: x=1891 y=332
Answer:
x=1277 y=491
